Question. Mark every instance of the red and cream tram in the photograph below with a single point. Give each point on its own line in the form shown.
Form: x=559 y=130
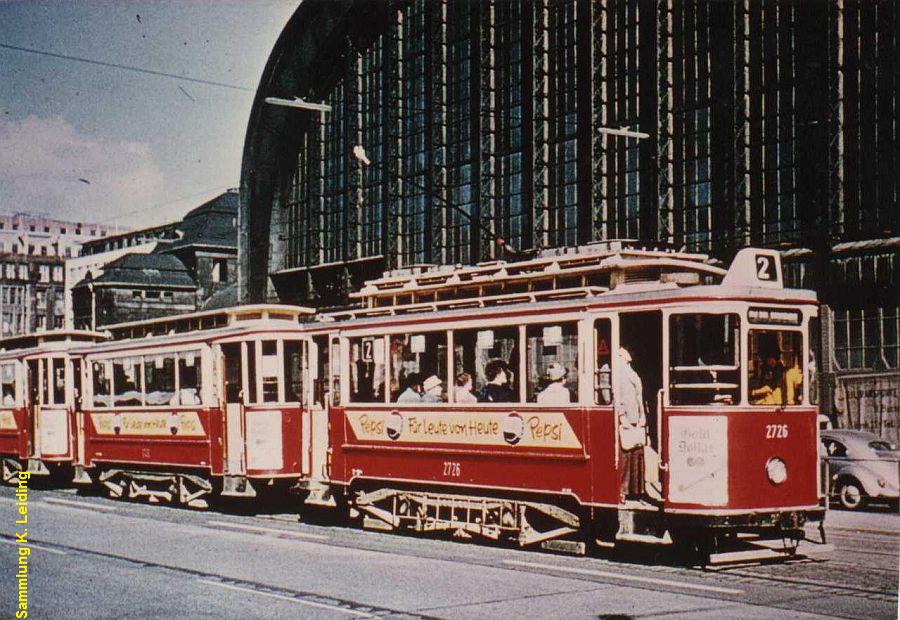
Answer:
x=426 y=434
x=179 y=407
x=40 y=380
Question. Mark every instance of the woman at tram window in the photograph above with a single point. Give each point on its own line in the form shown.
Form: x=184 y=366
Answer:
x=770 y=380
x=462 y=391
x=413 y=394
x=556 y=392
x=497 y=389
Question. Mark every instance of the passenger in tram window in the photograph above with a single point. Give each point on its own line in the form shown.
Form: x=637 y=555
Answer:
x=556 y=392
x=463 y=389
x=433 y=390
x=413 y=393
x=497 y=389
x=632 y=420
x=769 y=380
x=793 y=382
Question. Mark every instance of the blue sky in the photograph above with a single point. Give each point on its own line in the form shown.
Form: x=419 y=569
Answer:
x=150 y=147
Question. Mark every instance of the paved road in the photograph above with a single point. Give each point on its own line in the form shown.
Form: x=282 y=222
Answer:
x=96 y=558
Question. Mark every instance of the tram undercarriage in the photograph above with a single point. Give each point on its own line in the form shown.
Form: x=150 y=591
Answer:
x=182 y=488
x=524 y=522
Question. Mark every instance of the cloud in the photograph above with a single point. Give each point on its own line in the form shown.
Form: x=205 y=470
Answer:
x=43 y=162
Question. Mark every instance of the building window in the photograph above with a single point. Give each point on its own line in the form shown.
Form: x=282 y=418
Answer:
x=866 y=338
x=46 y=229
x=220 y=271
x=31 y=228
x=23 y=272
x=15 y=248
x=62 y=231
x=44 y=273
x=136 y=294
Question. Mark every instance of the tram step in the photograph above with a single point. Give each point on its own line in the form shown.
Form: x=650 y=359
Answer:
x=759 y=554
x=564 y=546
x=665 y=539
x=376 y=524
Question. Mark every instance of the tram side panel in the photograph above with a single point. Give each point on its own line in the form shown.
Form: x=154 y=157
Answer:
x=189 y=437
x=551 y=455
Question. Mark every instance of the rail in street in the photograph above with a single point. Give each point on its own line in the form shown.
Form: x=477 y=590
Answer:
x=93 y=557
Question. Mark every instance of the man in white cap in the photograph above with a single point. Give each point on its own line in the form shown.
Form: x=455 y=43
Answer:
x=556 y=392
x=432 y=390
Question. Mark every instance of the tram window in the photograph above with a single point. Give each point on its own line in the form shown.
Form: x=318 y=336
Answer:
x=269 y=371
x=415 y=358
x=159 y=378
x=127 y=382
x=603 y=369
x=101 y=372
x=231 y=353
x=189 y=378
x=704 y=359
x=367 y=369
x=775 y=367
x=58 y=376
x=477 y=351
x=295 y=371
x=45 y=384
x=335 y=372
x=251 y=372
x=320 y=385
x=552 y=363
x=8 y=384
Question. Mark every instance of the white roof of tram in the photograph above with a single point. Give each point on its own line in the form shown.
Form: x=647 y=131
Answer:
x=593 y=276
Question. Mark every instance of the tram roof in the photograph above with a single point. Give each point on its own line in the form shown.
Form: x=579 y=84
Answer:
x=629 y=297
x=207 y=320
x=37 y=342
x=611 y=271
x=594 y=264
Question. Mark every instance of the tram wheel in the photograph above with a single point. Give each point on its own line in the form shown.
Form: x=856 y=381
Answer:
x=691 y=548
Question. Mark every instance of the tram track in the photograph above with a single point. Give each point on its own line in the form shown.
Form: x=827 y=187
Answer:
x=312 y=599
x=278 y=527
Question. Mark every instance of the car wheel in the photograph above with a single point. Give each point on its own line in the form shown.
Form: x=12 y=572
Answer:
x=850 y=495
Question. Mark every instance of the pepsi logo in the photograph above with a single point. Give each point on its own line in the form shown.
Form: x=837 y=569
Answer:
x=394 y=426
x=513 y=426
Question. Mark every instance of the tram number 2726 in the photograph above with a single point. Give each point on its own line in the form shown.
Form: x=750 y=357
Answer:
x=776 y=431
x=451 y=469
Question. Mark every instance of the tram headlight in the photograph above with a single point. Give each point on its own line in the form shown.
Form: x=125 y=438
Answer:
x=776 y=470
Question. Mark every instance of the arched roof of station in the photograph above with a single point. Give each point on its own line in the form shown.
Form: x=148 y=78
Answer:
x=305 y=62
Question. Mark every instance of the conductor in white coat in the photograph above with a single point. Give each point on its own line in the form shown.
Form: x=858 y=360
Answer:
x=632 y=420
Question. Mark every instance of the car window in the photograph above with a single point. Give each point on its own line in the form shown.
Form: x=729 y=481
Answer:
x=834 y=448
x=880 y=445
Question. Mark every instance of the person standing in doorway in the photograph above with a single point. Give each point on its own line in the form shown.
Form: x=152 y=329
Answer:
x=632 y=421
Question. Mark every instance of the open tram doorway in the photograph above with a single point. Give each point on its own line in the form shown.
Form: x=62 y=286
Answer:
x=641 y=334
x=232 y=360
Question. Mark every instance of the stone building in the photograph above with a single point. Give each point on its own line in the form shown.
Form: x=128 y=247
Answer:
x=748 y=123
x=164 y=270
x=33 y=251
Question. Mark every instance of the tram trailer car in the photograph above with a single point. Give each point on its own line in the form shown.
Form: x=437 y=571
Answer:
x=40 y=381
x=729 y=453
x=213 y=402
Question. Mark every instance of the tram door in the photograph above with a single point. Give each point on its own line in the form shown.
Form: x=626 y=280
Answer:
x=234 y=396
x=641 y=334
x=32 y=405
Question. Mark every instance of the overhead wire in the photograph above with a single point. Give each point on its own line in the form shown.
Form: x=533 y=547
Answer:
x=114 y=65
